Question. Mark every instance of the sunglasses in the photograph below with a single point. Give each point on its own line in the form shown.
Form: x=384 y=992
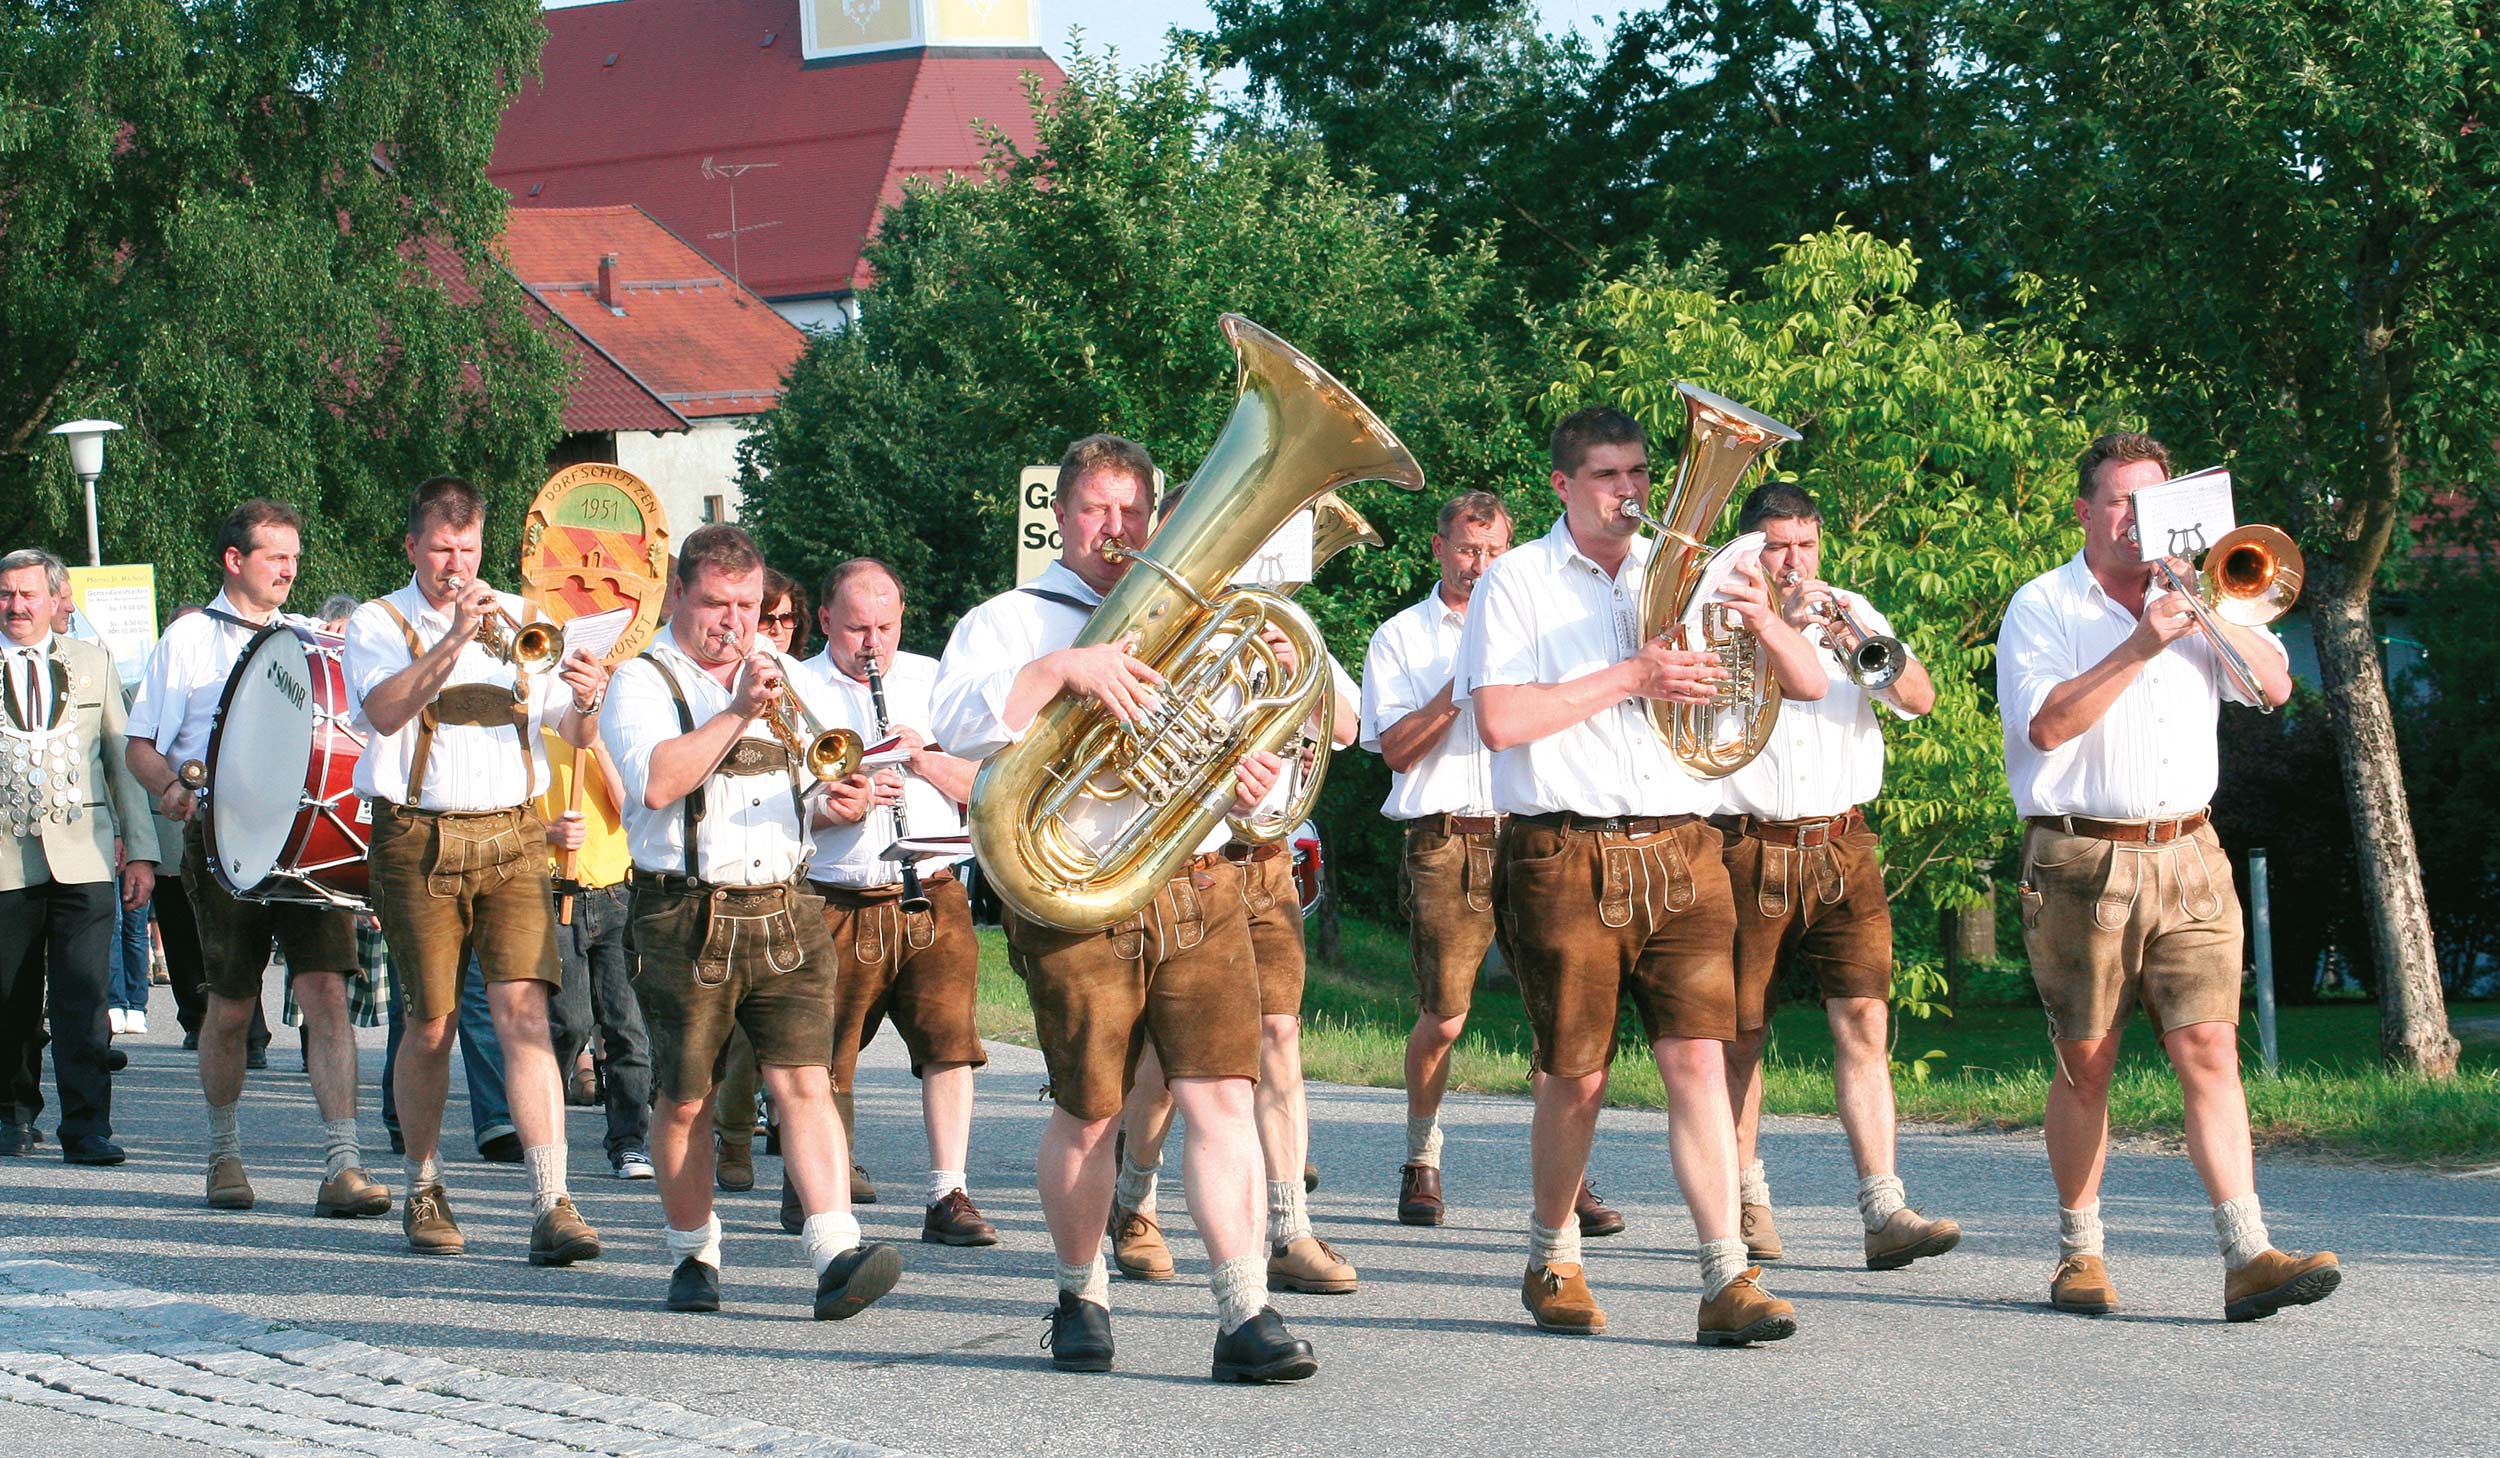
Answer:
x=780 y=620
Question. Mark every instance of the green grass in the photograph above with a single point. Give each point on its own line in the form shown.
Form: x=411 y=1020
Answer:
x=2333 y=1098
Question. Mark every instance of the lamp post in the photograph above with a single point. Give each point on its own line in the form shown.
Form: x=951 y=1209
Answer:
x=86 y=457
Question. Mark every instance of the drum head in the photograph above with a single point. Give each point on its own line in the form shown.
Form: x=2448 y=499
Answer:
x=264 y=745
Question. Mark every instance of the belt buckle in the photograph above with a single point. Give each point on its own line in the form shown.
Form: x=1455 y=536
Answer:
x=1814 y=835
x=2163 y=832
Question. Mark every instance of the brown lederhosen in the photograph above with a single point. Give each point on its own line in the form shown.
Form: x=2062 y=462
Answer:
x=449 y=884
x=1811 y=891
x=1179 y=972
x=1592 y=911
x=235 y=935
x=710 y=957
x=1275 y=907
x=2111 y=920
x=922 y=970
x=1445 y=888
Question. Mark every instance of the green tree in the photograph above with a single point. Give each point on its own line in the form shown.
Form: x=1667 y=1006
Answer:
x=258 y=234
x=1941 y=455
x=2287 y=214
x=1075 y=288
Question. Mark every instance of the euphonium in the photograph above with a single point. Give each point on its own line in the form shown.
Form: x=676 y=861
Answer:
x=1335 y=526
x=1079 y=823
x=1680 y=591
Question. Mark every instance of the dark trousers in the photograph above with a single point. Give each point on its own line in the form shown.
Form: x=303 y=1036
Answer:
x=67 y=932
x=184 y=965
x=598 y=995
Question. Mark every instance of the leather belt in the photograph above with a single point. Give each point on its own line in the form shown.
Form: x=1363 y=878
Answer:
x=689 y=887
x=1457 y=824
x=2128 y=832
x=1608 y=824
x=888 y=892
x=421 y=813
x=1242 y=855
x=1795 y=834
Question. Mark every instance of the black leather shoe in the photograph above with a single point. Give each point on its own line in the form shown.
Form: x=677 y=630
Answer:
x=257 y=1060
x=399 y=1142
x=17 y=1139
x=694 y=1287
x=1261 y=1350
x=793 y=1214
x=856 y=1279
x=1079 y=1338
x=502 y=1149
x=115 y=1060
x=92 y=1149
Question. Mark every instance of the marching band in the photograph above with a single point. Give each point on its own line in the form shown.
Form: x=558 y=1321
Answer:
x=1640 y=766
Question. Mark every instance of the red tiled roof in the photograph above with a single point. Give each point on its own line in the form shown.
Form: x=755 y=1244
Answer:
x=700 y=343
x=695 y=88
x=604 y=396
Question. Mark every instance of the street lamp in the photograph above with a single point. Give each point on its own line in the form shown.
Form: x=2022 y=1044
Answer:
x=86 y=457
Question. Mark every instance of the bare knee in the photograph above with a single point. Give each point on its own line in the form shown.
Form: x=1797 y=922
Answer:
x=1575 y=1093
x=1438 y=1031
x=1281 y=1033
x=428 y=1036
x=1859 y=1027
x=1203 y=1101
x=2086 y=1066
x=2204 y=1053
x=226 y=1014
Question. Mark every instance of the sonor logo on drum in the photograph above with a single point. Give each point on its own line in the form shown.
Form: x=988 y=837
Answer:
x=287 y=684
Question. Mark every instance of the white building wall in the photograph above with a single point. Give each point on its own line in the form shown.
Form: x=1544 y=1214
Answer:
x=833 y=315
x=689 y=470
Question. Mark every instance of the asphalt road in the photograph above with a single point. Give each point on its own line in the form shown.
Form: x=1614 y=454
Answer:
x=1433 y=1355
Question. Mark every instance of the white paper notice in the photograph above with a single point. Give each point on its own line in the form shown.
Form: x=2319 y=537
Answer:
x=1285 y=558
x=596 y=633
x=2183 y=516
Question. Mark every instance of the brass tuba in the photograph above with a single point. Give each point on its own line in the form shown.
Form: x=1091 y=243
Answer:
x=1679 y=594
x=1079 y=823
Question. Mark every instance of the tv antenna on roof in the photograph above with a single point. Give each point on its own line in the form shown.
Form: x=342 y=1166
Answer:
x=730 y=172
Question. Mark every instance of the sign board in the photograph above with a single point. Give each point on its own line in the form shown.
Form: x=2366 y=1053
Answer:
x=2183 y=516
x=121 y=602
x=1037 y=530
x=596 y=541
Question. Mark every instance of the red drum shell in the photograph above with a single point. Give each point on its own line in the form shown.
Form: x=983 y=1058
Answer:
x=284 y=820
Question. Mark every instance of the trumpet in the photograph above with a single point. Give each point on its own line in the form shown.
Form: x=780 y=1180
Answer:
x=1873 y=661
x=2249 y=578
x=528 y=647
x=829 y=754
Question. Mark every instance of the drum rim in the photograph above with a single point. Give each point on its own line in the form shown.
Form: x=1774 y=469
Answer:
x=279 y=875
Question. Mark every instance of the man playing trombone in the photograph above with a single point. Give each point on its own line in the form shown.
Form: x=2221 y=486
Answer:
x=2110 y=688
x=1808 y=879
x=451 y=772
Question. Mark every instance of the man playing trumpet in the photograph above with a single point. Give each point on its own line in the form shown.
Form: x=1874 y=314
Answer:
x=459 y=862
x=1808 y=880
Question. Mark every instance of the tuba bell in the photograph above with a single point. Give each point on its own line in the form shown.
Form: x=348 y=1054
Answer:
x=1079 y=823
x=1679 y=594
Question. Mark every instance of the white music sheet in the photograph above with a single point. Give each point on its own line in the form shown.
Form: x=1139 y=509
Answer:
x=2183 y=516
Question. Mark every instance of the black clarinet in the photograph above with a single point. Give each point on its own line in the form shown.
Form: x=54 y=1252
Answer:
x=912 y=899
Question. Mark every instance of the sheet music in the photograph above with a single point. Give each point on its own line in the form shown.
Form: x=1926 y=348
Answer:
x=596 y=633
x=2183 y=516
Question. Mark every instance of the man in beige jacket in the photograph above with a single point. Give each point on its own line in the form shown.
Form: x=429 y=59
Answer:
x=75 y=822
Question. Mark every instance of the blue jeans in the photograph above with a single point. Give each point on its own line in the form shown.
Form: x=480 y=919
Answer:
x=130 y=957
x=598 y=997
x=481 y=1062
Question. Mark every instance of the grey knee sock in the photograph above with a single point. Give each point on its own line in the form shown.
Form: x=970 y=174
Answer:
x=225 y=1131
x=1088 y=1282
x=2079 y=1231
x=1240 y=1291
x=2241 y=1227
x=1423 y=1141
x=339 y=1135
x=1879 y=1196
x=546 y=1166
x=1722 y=1261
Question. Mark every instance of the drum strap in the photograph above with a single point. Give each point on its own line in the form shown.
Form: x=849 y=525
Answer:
x=692 y=807
x=475 y=705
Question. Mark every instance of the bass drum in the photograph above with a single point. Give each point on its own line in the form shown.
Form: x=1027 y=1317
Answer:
x=284 y=820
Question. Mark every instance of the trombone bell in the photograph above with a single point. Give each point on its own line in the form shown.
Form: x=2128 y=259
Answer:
x=2252 y=576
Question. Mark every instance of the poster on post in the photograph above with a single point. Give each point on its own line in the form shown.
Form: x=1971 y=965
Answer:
x=121 y=603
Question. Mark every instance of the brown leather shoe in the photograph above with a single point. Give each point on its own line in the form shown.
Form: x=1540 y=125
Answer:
x=1744 y=1313
x=1558 y=1297
x=863 y=1189
x=734 y=1169
x=1311 y=1266
x=561 y=1236
x=1419 y=1195
x=1596 y=1216
x=2277 y=1279
x=1137 y=1246
x=955 y=1220
x=1909 y=1236
x=350 y=1194
x=1761 y=1233
x=227 y=1187
x=2082 y=1286
x=427 y=1220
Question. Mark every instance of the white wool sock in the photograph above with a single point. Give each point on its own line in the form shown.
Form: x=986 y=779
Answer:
x=339 y=1135
x=225 y=1131
x=424 y=1172
x=1137 y=1185
x=2241 y=1227
x=2079 y=1231
x=1287 y=1219
x=828 y=1235
x=1423 y=1140
x=1240 y=1291
x=703 y=1245
x=1722 y=1261
x=944 y=1182
x=1557 y=1245
x=546 y=1166
x=1753 y=1186
x=1878 y=1197
x=1089 y=1282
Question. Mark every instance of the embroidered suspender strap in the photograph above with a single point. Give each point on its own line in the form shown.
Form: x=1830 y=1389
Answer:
x=427 y=718
x=1061 y=598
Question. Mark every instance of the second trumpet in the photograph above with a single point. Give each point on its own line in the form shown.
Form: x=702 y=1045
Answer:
x=829 y=754
x=1873 y=661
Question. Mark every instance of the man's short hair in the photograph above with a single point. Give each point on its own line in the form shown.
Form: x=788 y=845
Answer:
x=243 y=525
x=1102 y=453
x=1776 y=501
x=1584 y=430
x=450 y=500
x=336 y=608
x=719 y=547
x=843 y=572
x=55 y=571
x=1481 y=507
x=2118 y=445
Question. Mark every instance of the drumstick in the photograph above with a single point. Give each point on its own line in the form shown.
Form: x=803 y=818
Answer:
x=585 y=764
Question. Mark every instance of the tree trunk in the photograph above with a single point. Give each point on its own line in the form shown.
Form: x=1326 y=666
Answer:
x=1975 y=932
x=2413 y=1018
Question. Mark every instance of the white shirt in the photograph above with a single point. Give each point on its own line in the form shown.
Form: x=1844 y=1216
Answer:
x=185 y=679
x=2152 y=754
x=1545 y=613
x=750 y=832
x=851 y=855
x=1824 y=755
x=992 y=644
x=30 y=679
x=1412 y=655
x=469 y=767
